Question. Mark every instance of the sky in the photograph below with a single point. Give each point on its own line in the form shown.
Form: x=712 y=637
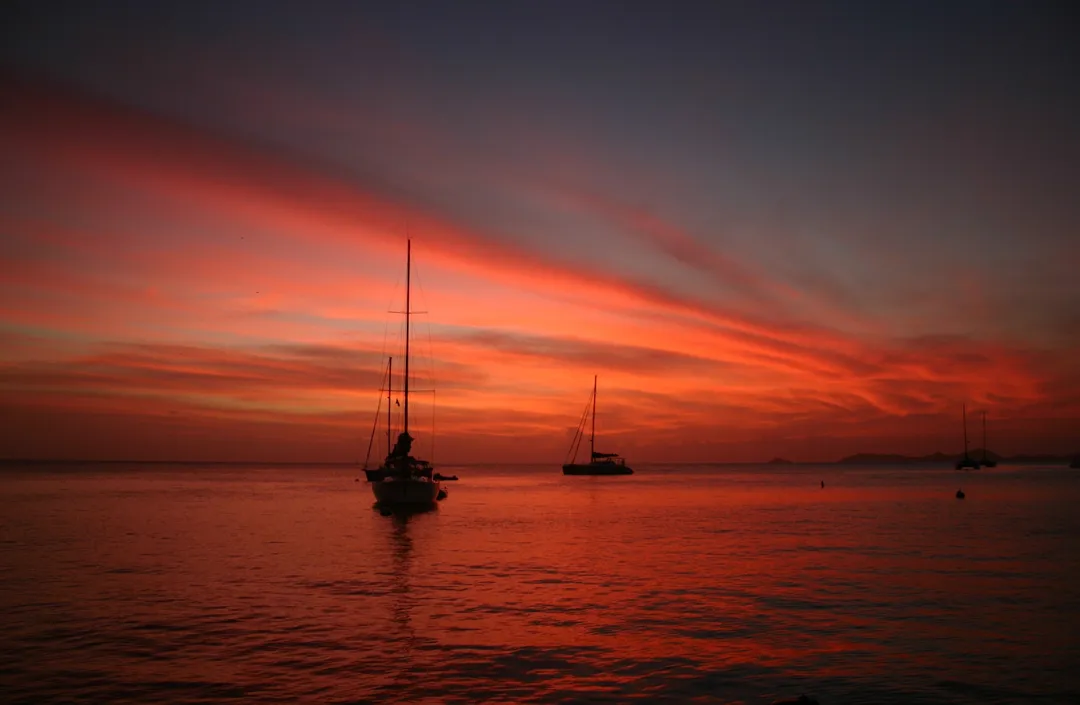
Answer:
x=769 y=228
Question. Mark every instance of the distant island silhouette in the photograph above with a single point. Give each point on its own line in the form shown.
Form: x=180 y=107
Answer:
x=896 y=459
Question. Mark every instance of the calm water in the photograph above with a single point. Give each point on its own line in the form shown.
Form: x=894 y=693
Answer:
x=731 y=584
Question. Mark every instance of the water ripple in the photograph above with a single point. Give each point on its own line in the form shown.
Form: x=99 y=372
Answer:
x=191 y=587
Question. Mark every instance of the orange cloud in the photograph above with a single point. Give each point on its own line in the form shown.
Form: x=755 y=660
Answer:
x=153 y=265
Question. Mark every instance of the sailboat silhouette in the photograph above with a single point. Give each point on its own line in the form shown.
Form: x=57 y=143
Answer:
x=599 y=463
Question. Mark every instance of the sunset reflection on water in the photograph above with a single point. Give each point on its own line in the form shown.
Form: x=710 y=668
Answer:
x=720 y=584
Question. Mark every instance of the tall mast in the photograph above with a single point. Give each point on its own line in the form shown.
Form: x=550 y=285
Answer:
x=408 y=271
x=389 y=402
x=592 y=436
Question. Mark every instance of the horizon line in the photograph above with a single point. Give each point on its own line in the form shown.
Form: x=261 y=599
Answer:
x=779 y=460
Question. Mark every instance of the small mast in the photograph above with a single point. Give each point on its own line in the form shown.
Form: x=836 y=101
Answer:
x=985 y=459
x=408 y=273
x=389 y=402
x=965 y=431
x=592 y=434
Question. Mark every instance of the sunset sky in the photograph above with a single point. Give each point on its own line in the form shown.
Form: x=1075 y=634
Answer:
x=771 y=228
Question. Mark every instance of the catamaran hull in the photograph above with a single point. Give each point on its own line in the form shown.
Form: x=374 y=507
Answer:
x=401 y=493
x=595 y=469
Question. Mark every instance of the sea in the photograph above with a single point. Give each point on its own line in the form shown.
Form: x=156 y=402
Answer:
x=186 y=583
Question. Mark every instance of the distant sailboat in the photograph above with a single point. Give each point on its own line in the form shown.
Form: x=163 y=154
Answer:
x=986 y=462
x=966 y=461
x=402 y=480
x=599 y=463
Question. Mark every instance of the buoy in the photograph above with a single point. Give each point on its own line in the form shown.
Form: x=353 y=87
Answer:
x=959 y=494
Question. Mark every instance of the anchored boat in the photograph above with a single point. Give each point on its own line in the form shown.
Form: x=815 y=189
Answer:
x=403 y=481
x=599 y=463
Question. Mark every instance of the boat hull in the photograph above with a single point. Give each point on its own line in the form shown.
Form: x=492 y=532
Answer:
x=595 y=469
x=410 y=492
x=380 y=474
x=375 y=475
x=967 y=464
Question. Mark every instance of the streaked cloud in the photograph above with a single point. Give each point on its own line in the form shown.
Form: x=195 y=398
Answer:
x=161 y=273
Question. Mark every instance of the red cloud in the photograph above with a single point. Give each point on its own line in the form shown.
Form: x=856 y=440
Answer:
x=105 y=264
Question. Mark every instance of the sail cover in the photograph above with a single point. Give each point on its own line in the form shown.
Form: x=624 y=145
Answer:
x=597 y=454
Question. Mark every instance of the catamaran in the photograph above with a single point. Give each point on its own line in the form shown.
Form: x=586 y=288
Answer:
x=402 y=480
x=599 y=463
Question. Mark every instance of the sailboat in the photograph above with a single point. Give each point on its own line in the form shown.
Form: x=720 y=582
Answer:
x=967 y=461
x=599 y=463
x=986 y=462
x=402 y=480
